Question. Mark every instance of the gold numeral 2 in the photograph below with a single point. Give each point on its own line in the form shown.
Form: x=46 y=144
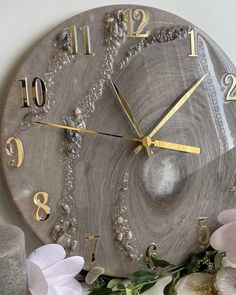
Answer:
x=230 y=80
x=95 y=240
x=192 y=44
x=138 y=14
x=204 y=231
x=42 y=211
x=86 y=37
x=38 y=92
x=14 y=149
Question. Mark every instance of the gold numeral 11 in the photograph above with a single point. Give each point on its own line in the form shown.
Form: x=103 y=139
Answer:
x=38 y=92
x=192 y=44
x=86 y=37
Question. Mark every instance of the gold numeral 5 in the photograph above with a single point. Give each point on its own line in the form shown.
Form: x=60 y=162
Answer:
x=38 y=92
x=230 y=80
x=42 y=211
x=14 y=149
x=94 y=239
x=138 y=14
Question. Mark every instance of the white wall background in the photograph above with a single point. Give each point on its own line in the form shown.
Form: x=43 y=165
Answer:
x=24 y=22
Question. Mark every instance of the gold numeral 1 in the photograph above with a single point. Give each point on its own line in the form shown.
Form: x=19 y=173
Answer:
x=192 y=44
x=42 y=211
x=232 y=187
x=14 y=149
x=204 y=231
x=87 y=41
x=230 y=80
x=38 y=92
x=138 y=14
x=95 y=240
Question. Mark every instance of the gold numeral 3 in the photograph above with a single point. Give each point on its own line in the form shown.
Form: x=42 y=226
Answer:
x=138 y=14
x=230 y=80
x=42 y=211
x=14 y=149
x=94 y=239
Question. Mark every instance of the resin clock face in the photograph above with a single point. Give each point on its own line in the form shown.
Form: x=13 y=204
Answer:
x=164 y=95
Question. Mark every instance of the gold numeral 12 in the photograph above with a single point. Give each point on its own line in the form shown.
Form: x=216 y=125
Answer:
x=38 y=92
x=138 y=14
x=192 y=44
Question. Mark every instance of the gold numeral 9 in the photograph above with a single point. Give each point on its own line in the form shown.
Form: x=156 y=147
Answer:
x=38 y=92
x=94 y=239
x=204 y=231
x=230 y=80
x=14 y=149
x=42 y=211
x=138 y=14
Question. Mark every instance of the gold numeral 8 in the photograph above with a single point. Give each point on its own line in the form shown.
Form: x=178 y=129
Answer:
x=42 y=211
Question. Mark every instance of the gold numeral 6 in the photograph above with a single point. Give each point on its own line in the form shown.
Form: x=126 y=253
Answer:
x=38 y=92
x=14 y=149
x=204 y=231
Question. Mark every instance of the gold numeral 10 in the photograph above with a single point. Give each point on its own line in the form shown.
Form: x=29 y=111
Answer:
x=86 y=37
x=38 y=92
x=15 y=151
x=230 y=80
x=138 y=14
x=192 y=44
x=204 y=231
x=94 y=239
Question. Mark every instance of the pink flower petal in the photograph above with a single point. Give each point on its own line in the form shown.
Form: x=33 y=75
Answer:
x=47 y=255
x=63 y=271
x=231 y=255
x=36 y=281
x=224 y=238
x=72 y=287
x=227 y=216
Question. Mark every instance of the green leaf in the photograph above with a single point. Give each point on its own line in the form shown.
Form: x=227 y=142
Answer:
x=159 y=262
x=129 y=291
x=147 y=287
x=168 y=288
x=121 y=286
x=142 y=276
x=113 y=283
x=102 y=291
x=218 y=260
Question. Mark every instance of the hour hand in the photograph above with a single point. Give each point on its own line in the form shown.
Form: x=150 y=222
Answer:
x=129 y=113
x=177 y=147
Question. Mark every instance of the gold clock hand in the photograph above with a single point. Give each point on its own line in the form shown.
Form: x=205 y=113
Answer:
x=146 y=141
x=129 y=113
x=180 y=102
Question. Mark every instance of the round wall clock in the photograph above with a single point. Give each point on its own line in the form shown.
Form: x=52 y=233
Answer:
x=118 y=137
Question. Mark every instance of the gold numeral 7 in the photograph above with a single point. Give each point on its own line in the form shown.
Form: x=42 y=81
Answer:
x=94 y=239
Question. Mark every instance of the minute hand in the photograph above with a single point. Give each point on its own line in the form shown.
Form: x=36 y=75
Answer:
x=172 y=111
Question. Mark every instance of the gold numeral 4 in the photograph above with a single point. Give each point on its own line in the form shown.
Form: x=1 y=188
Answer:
x=192 y=44
x=94 y=239
x=230 y=81
x=204 y=231
x=14 y=149
x=141 y=15
x=42 y=211
x=38 y=92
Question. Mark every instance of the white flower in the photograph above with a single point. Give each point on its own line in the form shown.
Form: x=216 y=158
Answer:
x=50 y=274
x=226 y=281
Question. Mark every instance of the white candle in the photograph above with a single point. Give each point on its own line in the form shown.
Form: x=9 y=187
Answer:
x=13 y=279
